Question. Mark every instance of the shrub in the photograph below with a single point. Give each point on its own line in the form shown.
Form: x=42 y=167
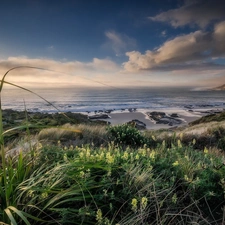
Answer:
x=126 y=135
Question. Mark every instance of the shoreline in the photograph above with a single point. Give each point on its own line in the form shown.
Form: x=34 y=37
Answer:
x=149 y=119
x=183 y=116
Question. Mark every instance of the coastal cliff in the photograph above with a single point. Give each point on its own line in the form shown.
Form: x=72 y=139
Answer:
x=219 y=88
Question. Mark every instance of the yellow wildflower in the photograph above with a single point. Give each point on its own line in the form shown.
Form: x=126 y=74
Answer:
x=137 y=156
x=194 y=141
x=179 y=144
x=144 y=202
x=125 y=155
x=176 y=163
x=134 y=204
x=109 y=158
x=99 y=216
x=206 y=150
x=152 y=155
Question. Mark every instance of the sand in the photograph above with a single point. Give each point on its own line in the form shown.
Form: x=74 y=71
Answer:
x=118 y=117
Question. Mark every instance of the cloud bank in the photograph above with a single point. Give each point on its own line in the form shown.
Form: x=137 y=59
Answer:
x=194 y=50
x=194 y=12
x=56 y=72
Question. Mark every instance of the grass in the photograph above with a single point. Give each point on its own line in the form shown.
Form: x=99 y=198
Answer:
x=87 y=174
x=115 y=186
x=67 y=135
x=210 y=118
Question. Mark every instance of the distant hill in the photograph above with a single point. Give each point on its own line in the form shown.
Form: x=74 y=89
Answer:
x=220 y=88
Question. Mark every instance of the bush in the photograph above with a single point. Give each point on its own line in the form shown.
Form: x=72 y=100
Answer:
x=125 y=134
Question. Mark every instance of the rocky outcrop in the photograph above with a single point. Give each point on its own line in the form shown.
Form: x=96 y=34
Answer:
x=162 y=118
x=220 y=88
x=137 y=124
x=132 y=109
x=99 y=116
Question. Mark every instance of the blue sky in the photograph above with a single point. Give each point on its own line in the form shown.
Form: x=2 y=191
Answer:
x=115 y=42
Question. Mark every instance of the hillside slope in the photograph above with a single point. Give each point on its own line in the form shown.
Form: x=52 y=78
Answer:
x=220 y=88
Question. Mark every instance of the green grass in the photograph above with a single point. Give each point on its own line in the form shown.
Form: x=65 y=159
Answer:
x=169 y=186
x=91 y=184
x=209 y=118
x=93 y=174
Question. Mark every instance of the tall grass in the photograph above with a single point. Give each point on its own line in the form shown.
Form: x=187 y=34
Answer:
x=13 y=172
x=134 y=179
x=85 y=185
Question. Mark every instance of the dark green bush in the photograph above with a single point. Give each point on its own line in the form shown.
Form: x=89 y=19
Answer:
x=126 y=135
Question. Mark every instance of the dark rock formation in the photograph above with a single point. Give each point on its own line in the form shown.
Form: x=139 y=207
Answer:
x=99 y=116
x=162 y=118
x=137 y=124
x=174 y=115
x=108 y=111
x=132 y=109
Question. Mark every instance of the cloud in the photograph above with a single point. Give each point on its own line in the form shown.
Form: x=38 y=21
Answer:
x=219 y=37
x=163 y=33
x=50 y=48
x=198 y=12
x=190 y=50
x=103 y=64
x=57 y=72
x=119 y=43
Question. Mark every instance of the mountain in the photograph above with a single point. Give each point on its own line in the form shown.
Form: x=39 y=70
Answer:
x=220 y=88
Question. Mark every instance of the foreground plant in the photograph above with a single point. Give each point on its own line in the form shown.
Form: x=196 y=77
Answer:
x=86 y=185
x=10 y=176
x=13 y=172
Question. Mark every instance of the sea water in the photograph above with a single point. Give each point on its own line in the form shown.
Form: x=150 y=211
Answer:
x=95 y=99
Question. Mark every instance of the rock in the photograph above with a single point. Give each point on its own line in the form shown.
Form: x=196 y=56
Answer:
x=108 y=111
x=100 y=116
x=162 y=118
x=137 y=124
x=156 y=115
x=188 y=106
x=174 y=115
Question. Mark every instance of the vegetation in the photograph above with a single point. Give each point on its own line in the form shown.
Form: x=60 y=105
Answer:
x=150 y=182
x=210 y=118
x=93 y=174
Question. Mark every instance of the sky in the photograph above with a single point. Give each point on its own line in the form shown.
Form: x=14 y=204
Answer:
x=114 y=43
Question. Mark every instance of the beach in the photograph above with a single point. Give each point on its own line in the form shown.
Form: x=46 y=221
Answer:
x=121 y=117
x=173 y=107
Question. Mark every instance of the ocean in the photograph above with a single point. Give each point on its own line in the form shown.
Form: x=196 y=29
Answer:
x=94 y=99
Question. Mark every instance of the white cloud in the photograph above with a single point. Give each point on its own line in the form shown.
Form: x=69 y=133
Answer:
x=163 y=33
x=119 y=42
x=103 y=64
x=198 y=12
x=184 y=51
x=57 y=72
